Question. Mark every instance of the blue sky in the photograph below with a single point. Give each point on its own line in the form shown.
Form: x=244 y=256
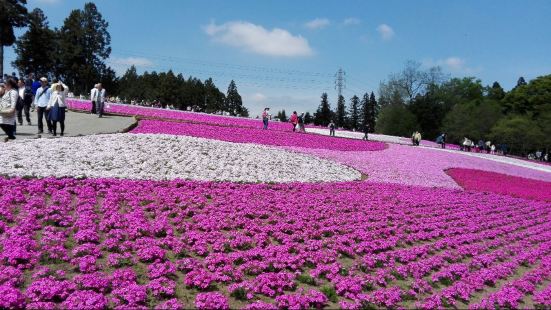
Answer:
x=284 y=54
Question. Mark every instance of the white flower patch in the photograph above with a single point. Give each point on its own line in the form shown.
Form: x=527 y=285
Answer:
x=165 y=157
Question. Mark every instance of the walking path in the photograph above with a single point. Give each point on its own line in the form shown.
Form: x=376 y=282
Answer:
x=398 y=140
x=76 y=124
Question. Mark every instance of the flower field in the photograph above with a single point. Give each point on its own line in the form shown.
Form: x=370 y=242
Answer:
x=101 y=242
x=166 y=157
x=132 y=110
x=212 y=212
x=500 y=183
x=257 y=136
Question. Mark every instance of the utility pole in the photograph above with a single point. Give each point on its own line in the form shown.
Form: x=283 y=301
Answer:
x=340 y=81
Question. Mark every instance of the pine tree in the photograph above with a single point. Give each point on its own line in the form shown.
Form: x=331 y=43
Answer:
x=214 y=99
x=130 y=88
x=340 y=113
x=323 y=114
x=496 y=92
x=35 y=49
x=84 y=47
x=283 y=116
x=354 y=113
x=521 y=81
x=13 y=14
x=365 y=110
x=373 y=112
x=308 y=119
x=234 y=103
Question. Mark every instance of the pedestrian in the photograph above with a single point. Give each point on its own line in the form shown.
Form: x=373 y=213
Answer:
x=8 y=105
x=41 y=102
x=24 y=102
x=366 y=132
x=301 y=122
x=265 y=118
x=57 y=107
x=331 y=128
x=488 y=146
x=94 y=97
x=100 y=101
x=493 y=149
x=444 y=140
x=416 y=138
x=294 y=120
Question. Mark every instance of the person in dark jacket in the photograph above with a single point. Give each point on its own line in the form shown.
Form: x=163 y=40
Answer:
x=366 y=132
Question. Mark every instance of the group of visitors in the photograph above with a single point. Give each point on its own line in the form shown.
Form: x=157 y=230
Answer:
x=21 y=96
x=97 y=96
x=469 y=146
x=297 y=121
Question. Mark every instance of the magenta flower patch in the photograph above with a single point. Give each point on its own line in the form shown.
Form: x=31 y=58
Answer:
x=257 y=136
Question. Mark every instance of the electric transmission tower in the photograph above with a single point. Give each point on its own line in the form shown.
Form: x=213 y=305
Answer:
x=340 y=81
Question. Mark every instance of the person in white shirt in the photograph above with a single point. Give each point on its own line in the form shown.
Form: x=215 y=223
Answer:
x=41 y=100
x=57 y=107
x=7 y=109
x=93 y=98
x=100 y=99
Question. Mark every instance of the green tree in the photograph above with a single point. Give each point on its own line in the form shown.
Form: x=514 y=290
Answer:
x=13 y=14
x=234 y=104
x=374 y=109
x=473 y=120
x=214 y=98
x=35 y=49
x=396 y=120
x=520 y=133
x=354 y=112
x=323 y=114
x=521 y=81
x=282 y=115
x=531 y=98
x=365 y=111
x=84 y=46
x=496 y=92
x=308 y=119
x=130 y=88
x=340 y=113
x=429 y=113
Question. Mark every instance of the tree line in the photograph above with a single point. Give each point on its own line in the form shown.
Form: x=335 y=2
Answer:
x=355 y=116
x=77 y=53
x=434 y=103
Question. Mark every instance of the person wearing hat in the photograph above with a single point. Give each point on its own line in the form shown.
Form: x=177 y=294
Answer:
x=41 y=100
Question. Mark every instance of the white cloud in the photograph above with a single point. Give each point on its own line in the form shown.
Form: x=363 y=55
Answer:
x=258 y=97
x=317 y=23
x=121 y=64
x=132 y=61
x=385 y=31
x=351 y=21
x=452 y=64
x=257 y=39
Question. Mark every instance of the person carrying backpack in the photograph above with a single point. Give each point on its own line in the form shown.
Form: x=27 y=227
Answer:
x=294 y=120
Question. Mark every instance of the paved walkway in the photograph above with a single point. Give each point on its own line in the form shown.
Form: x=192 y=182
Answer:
x=76 y=124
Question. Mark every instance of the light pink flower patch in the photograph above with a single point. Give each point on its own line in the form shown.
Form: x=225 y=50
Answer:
x=485 y=181
x=410 y=165
x=257 y=136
